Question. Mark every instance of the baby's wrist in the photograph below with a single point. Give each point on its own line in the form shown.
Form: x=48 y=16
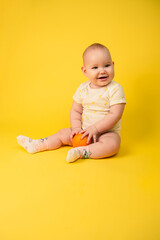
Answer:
x=96 y=129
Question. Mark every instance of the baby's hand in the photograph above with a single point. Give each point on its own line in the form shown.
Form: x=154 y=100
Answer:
x=92 y=132
x=74 y=132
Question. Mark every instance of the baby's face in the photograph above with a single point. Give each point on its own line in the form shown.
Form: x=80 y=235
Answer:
x=98 y=67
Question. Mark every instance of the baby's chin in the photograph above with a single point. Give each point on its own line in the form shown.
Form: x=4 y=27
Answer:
x=100 y=83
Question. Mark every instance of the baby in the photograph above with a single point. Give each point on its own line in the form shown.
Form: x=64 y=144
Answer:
x=96 y=112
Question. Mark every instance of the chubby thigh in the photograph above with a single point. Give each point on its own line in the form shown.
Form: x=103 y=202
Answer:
x=110 y=136
x=109 y=144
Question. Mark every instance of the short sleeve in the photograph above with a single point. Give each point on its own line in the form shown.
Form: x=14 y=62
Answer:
x=117 y=95
x=77 y=97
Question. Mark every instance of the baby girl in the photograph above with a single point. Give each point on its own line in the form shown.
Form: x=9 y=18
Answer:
x=96 y=112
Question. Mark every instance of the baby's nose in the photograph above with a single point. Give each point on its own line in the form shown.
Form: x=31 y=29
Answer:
x=102 y=70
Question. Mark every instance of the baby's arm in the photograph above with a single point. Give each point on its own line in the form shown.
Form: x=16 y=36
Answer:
x=106 y=123
x=75 y=118
x=111 y=119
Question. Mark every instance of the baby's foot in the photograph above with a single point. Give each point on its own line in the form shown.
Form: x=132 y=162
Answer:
x=31 y=145
x=76 y=153
x=73 y=155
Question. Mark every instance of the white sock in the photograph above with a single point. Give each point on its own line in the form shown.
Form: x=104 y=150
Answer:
x=78 y=152
x=31 y=145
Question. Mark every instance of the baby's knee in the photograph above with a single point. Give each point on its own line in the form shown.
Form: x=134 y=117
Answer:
x=64 y=135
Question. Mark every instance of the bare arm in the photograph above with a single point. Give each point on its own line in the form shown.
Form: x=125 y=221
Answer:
x=75 y=116
x=111 y=119
x=106 y=123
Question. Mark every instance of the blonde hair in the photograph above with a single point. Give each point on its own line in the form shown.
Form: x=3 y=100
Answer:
x=95 y=46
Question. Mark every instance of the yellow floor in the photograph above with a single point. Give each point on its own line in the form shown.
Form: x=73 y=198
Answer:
x=41 y=46
x=43 y=197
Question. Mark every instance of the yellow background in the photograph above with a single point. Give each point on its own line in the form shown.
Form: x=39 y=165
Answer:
x=41 y=46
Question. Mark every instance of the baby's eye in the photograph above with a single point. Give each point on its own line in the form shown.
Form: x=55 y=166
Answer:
x=94 y=67
x=107 y=65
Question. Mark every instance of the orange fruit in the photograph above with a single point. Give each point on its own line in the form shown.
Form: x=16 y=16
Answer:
x=77 y=141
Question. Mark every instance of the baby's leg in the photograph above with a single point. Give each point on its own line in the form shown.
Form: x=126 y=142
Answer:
x=49 y=143
x=59 y=139
x=108 y=145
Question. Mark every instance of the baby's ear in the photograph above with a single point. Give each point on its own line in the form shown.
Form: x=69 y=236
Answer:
x=84 y=71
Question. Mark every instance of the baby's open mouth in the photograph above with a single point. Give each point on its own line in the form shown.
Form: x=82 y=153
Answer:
x=102 y=77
